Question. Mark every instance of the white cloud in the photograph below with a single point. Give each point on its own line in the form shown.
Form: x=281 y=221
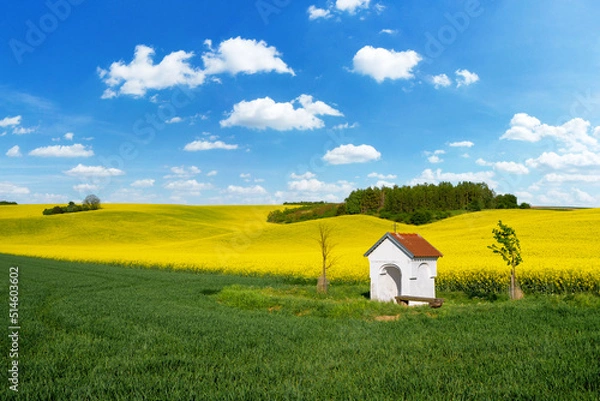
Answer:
x=317 y=108
x=345 y=126
x=430 y=176
x=254 y=190
x=207 y=145
x=441 y=81
x=315 y=13
x=93 y=171
x=347 y=154
x=86 y=187
x=146 y=183
x=10 y=189
x=389 y=31
x=212 y=173
x=313 y=185
x=248 y=56
x=233 y=56
x=192 y=186
x=23 y=130
x=462 y=144
x=69 y=136
x=434 y=159
x=76 y=150
x=465 y=78
x=381 y=64
x=306 y=176
x=10 y=121
x=566 y=177
x=141 y=75
x=266 y=113
x=556 y=161
x=382 y=176
x=511 y=167
x=574 y=134
x=174 y=120
x=15 y=151
x=507 y=167
x=351 y=6
x=183 y=172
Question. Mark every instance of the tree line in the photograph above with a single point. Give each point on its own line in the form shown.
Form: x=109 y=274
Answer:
x=91 y=202
x=423 y=203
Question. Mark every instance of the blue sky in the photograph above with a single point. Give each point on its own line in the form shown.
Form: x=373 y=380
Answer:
x=235 y=102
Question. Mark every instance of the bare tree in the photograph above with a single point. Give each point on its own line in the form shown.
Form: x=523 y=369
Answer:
x=326 y=246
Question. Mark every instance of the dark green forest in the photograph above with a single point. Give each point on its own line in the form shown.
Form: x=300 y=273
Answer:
x=419 y=204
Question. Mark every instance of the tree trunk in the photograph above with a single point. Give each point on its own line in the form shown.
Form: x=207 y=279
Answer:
x=322 y=284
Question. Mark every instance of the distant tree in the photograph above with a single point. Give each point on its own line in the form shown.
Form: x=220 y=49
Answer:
x=509 y=248
x=326 y=246
x=92 y=201
x=507 y=201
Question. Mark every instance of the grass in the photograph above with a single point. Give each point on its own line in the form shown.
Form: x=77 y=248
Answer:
x=98 y=332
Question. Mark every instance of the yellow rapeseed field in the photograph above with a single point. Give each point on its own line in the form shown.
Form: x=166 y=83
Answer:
x=560 y=248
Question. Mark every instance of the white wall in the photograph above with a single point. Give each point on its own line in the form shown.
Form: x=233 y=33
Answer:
x=417 y=277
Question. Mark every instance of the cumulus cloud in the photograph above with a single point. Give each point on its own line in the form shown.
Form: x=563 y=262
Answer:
x=69 y=136
x=306 y=176
x=511 y=167
x=575 y=134
x=76 y=150
x=141 y=74
x=568 y=160
x=93 y=171
x=383 y=176
x=316 y=13
x=506 y=167
x=174 y=120
x=146 y=183
x=248 y=56
x=568 y=177
x=253 y=190
x=265 y=113
x=389 y=31
x=15 y=151
x=382 y=64
x=10 y=189
x=347 y=154
x=351 y=6
x=233 y=56
x=462 y=144
x=465 y=78
x=23 y=130
x=314 y=185
x=441 y=81
x=183 y=172
x=199 y=145
x=10 y=121
x=192 y=186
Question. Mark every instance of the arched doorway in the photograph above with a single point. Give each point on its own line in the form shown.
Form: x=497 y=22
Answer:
x=390 y=283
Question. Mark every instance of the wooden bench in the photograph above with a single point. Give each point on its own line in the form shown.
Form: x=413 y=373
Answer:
x=433 y=302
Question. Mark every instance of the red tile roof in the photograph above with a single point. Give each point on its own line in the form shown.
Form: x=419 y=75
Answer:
x=412 y=244
x=417 y=245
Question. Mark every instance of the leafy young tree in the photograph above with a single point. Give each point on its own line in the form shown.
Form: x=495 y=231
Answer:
x=326 y=246
x=509 y=248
